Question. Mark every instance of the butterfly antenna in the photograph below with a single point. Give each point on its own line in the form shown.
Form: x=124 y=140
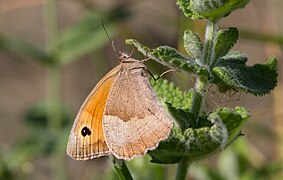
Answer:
x=112 y=42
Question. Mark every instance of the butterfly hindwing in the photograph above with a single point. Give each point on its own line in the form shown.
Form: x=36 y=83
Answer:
x=134 y=120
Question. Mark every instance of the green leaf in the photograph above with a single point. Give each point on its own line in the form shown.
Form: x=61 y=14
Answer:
x=224 y=41
x=20 y=47
x=201 y=142
x=170 y=151
x=172 y=94
x=183 y=118
x=169 y=57
x=192 y=44
x=234 y=57
x=233 y=120
x=259 y=79
x=178 y=102
x=209 y=9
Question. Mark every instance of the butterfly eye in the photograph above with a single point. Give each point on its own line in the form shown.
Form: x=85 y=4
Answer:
x=86 y=131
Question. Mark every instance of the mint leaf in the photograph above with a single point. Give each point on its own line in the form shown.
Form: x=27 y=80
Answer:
x=184 y=119
x=169 y=57
x=172 y=94
x=192 y=44
x=209 y=9
x=198 y=143
x=233 y=57
x=259 y=79
x=224 y=41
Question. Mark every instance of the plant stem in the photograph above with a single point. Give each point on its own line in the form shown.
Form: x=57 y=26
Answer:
x=182 y=169
x=54 y=98
x=121 y=169
x=54 y=108
x=198 y=95
x=210 y=31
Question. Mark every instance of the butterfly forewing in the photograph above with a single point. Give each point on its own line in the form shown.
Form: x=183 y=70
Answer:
x=86 y=140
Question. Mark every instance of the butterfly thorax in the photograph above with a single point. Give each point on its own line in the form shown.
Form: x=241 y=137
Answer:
x=130 y=65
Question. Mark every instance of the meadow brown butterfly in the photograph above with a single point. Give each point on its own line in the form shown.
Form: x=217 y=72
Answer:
x=121 y=116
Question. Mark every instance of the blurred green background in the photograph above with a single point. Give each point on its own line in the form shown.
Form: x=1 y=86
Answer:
x=52 y=53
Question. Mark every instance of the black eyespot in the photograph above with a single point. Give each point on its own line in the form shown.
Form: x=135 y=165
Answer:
x=86 y=131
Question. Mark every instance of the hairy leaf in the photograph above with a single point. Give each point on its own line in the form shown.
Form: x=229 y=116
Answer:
x=192 y=44
x=234 y=57
x=184 y=119
x=209 y=9
x=178 y=102
x=259 y=79
x=199 y=143
x=169 y=57
x=172 y=94
x=224 y=41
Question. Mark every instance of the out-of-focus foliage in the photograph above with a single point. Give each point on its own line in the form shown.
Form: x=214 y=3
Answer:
x=46 y=136
x=239 y=161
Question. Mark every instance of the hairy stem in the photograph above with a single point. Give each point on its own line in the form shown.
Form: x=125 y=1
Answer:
x=210 y=31
x=198 y=96
x=121 y=169
x=182 y=169
x=199 y=93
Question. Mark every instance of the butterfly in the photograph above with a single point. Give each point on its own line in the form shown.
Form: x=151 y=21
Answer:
x=121 y=116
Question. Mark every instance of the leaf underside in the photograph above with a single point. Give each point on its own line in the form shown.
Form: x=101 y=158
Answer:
x=230 y=70
x=199 y=143
x=170 y=57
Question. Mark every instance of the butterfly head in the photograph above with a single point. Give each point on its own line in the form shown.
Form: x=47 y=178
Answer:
x=123 y=56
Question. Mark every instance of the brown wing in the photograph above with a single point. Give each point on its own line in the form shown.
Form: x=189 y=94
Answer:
x=134 y=120
x=86 y=140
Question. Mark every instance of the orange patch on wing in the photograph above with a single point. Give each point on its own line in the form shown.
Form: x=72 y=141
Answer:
x=93 y=144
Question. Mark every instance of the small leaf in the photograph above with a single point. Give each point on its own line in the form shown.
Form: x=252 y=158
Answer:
x=184 y=119
x=224 y=41
x=233 y=121
x=178 y=102
x=234 y=57
x=169 y=57
x=172 y=94
x=195 y=144
x=193 y=44
x=259 y=79
x=209 y=9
